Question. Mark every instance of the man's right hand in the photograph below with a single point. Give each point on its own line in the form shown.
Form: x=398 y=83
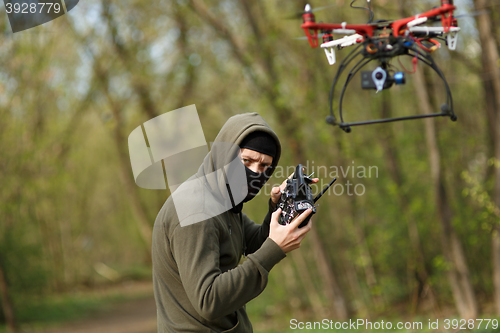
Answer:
x=289 y=236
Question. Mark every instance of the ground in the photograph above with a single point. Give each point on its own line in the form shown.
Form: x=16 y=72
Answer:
x=132 y=316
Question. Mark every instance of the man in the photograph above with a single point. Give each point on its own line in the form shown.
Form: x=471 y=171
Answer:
x=198 y=284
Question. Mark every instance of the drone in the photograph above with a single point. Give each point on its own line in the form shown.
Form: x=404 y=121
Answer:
x=382 y=41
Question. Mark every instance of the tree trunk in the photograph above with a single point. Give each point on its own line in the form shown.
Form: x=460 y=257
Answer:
x=359 y=303
x=7 y=306
x=291 y=285
x=491 y=77
x=305 y=277
x=360 y=243
x=364 y=253
x=141 y=88
x=143 y=220
x=417 y=259
x=269 y=89
x=458 y=273
x=332 y=289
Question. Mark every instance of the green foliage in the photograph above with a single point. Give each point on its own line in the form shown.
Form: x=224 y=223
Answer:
x=72 y=90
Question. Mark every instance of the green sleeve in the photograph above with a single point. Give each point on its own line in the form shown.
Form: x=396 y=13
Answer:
x=214 y=293
x=256 y=234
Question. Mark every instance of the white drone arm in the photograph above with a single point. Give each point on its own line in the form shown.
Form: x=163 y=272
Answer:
x=451 y=37
x=416 y=21
x=342 y=42
x=344 y=31
x=436 y=30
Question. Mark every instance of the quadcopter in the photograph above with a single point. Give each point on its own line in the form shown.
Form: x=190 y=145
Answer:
x=382 y=41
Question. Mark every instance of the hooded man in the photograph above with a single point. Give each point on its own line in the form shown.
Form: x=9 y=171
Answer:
x=200 y=234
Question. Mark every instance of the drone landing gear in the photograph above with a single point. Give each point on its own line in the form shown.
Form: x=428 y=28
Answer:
x=331 y=120
x=346 y=127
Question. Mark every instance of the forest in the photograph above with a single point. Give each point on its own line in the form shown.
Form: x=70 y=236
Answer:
x=410 y=231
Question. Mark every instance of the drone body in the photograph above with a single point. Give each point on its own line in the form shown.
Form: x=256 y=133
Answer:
x=381 y=42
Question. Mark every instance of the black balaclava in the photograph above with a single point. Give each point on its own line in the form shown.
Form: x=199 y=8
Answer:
x=263 y=143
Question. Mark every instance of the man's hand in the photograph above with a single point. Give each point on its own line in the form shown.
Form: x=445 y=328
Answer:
x=289 y=236
x=276 y=191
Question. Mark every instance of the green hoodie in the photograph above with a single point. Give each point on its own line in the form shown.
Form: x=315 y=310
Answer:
x=198 y=284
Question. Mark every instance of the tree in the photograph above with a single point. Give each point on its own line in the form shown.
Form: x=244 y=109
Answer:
x=458 y=272
x=8 y=308
x=491 y=86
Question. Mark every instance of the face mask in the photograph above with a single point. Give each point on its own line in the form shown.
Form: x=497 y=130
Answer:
x=255 y=181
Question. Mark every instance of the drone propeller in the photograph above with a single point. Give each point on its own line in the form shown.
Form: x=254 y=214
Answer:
x=298 y=15
x=478 y=13
x=320 y=35
x=382 y=23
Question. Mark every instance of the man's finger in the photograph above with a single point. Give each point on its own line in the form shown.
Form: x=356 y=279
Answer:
x=283 y=185
x=275 y=195
x=305 y=229
x=299 y=219
x=276 y=215
x=301 y=237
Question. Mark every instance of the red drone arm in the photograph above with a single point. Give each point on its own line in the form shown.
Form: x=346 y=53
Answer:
x=308 y=26
x=446 y=12
x=366 y=30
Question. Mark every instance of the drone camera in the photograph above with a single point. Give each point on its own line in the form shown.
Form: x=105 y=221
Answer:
x=379 y=76
x=380 y=79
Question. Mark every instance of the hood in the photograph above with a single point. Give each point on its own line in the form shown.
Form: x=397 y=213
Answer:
x=224 y=154
x=217 y=186
x=227 y=142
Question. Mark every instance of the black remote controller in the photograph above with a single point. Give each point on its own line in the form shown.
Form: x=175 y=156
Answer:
x=297 y=197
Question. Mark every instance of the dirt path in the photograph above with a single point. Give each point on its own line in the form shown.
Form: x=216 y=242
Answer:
x=138 y=316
